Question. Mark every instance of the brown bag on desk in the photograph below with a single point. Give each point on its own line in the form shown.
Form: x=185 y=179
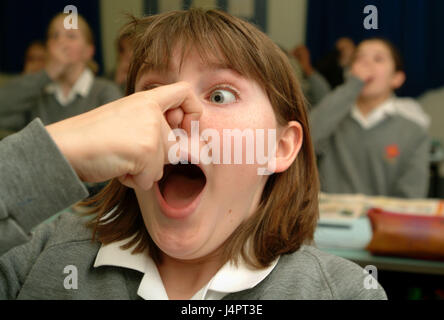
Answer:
x=406 y=235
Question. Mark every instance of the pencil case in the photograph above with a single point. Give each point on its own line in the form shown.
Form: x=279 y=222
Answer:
x=406 y=235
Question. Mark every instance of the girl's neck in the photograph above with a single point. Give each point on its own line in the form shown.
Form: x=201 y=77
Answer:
x=368 y=104
x=182 y=278
x=70 y=77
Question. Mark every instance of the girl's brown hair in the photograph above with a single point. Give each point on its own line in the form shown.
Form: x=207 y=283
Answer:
x=288 y=210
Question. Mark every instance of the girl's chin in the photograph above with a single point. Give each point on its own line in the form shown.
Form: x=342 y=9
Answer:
x=179 y=247
x=181 y=253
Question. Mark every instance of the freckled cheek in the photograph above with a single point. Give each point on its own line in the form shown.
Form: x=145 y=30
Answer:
x=260 y=117
x=246 y=123
x=234 y=187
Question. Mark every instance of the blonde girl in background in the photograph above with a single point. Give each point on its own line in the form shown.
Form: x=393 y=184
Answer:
x=65 y=88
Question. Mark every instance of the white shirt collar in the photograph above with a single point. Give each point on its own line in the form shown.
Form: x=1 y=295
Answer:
x=82 y=87
x=412 y=110
x=376 y=115
x=227 y=280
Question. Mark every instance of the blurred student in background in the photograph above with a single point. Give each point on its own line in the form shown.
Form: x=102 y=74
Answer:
x=316 y=86
x=125 y=54
x=334 y=66
x=35 y=57
x=368 y=140
x=346 y=48
x=66 y=87
x=330 y=71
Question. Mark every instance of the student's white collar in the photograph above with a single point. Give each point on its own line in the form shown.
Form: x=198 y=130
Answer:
x=227 y=280
x=81 y=87
x=407 y=108
x=376 y=115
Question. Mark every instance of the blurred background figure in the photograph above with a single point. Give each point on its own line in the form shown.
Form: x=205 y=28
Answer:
x=346 y=48
x=124 y=56
x=368 y=140
x=67 y=86
x=335 y=64
x=35 y=57
x=314 y=85
x=329 y=72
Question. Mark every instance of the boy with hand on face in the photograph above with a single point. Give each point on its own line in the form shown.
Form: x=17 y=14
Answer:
x=366 y=139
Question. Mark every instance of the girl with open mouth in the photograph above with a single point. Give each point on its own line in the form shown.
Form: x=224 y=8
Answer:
x=207 y=231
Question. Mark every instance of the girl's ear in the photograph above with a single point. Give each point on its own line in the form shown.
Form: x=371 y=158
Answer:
x=288 y=145
x=398 y=79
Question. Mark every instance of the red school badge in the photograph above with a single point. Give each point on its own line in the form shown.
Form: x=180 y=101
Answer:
x=392 y=151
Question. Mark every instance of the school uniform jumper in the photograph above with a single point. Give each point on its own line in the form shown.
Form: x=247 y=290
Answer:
x=29 y=96
x=385 y=154
x=37 y=181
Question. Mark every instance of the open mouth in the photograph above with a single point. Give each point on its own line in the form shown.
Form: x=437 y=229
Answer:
x=181 y=184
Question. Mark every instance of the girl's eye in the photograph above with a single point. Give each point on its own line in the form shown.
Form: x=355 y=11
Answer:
x=221 y=96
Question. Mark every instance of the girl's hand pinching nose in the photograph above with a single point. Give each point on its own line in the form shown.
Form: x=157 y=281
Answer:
x=127 y=138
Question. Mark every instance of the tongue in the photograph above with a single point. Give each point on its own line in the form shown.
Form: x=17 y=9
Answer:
x=179 y=191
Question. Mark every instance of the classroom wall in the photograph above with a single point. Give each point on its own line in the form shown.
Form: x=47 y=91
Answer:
x=112 y=15
x=285 y=20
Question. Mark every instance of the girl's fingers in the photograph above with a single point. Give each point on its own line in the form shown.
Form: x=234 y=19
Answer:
x=174 y=117
x=167 y=139
x=143 y=180
x=176 y=95
x=179 y=105
x=127 y=180
x=176 y=102
x=151 y=172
